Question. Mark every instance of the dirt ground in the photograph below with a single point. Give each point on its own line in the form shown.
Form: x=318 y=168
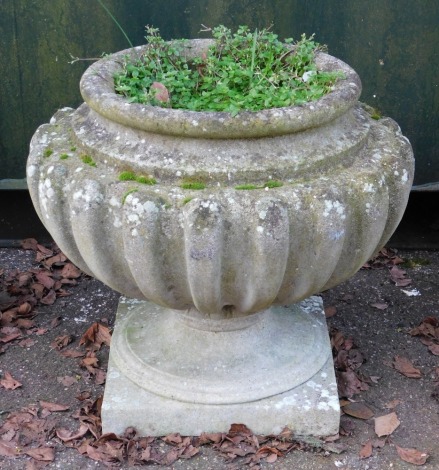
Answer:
x=370 y=308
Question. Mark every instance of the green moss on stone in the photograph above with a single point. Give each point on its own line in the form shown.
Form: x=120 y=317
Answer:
x=88 y=160
x=273 y=184
x=193 y=185
x=48 y=152
x=127 y=193
x=246 y=187
x=63 y=156
x=145 y=180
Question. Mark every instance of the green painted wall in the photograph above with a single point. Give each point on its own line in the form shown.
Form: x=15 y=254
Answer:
x=391 y=43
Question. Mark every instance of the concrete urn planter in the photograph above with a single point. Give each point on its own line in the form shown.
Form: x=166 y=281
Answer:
x=217 y=329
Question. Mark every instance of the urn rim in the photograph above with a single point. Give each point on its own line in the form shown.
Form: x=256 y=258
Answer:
x=97 y=89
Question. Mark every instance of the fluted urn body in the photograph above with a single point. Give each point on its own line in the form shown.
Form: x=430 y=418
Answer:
x=294 y=200
x=345 y=181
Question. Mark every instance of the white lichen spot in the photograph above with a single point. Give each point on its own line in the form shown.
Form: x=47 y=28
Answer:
x=50 y=193
x=262 y=215
x=50 y=169
x=114 y=202
x=396 y=173
x=150 y=207
x=134 y=232
x=368 y=188
x=313 y=385
x=78 y=169
x=405 y=176
x=31 y=169
x=260 y=229
x=134 y=218
x=117 y=222
x=47 y=183
x=195 y=123
x=334 y=206
x=178 y=173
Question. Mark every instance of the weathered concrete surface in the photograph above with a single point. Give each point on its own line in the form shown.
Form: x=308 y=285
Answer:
x=344 y=188
x=270 y=372
x=328 y=185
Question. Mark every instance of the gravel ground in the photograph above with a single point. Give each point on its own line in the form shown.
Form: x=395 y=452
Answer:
x=380 y=335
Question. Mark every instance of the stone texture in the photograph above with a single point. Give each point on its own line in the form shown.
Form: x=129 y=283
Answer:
x=222 y=254
x=208 y=389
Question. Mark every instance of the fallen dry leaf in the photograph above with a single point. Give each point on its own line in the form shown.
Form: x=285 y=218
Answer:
x=61 y=342
x=67 y=381
x=330 y=311
x=358 y=410
x=44 y=454
x=434 y=349
x=9 y=382
x=66 y=436
x=405 y=367
x=385 y=425
x=412 y=455
x=70 y=271
x=398 y=276
x=366 y=450
x=52 y=407
x=95 y=336
x=392 y=404
x=380 y=306
x=8 y=450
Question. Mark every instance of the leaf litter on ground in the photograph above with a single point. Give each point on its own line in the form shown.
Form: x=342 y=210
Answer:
x=44 y=284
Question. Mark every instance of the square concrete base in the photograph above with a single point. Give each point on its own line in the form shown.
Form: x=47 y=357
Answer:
x=311 y=408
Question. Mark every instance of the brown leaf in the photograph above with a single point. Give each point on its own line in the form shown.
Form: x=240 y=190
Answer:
x=53 y=406
x=173 y=439
x=55 y=322
x=366 y=450
x=330 y=311
x=54 y=260
x=161 y=93
x=207 y=438
x=66 y=380
x=398 y=276
x=428 y=327
x=66 y=436
x=49 y=299
x=72 y=353
x=24 y=309
x=26 y=343
x=380 y=306
x=70 y=271
x=434 y=349
x=8 y=450
x=100 y=377
x=84 y=395
x=44 y=454
x=358 y=410
x=236 y=429
x=9 y=382
x=412 y=455
x=405 y=367
x=44 y=278
x=95 y=336
x=61 y=342
x=29 y=244
x=271 y=458
x=349 y=384
x=385 y=425
x=392 y=404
